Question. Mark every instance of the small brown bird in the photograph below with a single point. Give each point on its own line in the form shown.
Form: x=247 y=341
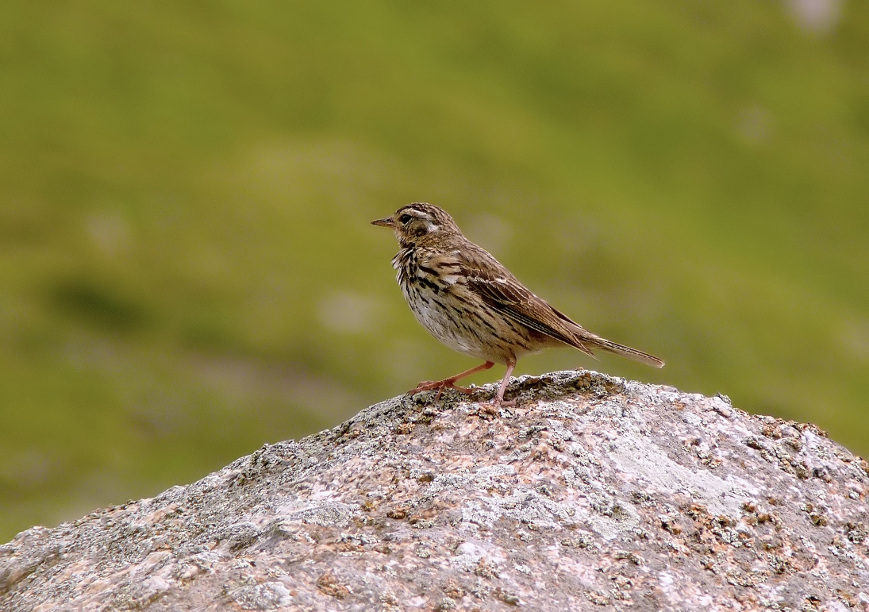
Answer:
x=466 y=299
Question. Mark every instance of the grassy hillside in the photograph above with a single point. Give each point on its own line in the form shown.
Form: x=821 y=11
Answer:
x=188 y=270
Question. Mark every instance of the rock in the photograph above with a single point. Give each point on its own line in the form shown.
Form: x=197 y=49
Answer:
x=592 y=493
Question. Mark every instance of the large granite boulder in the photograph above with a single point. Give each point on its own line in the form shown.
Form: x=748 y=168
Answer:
x=592 y=492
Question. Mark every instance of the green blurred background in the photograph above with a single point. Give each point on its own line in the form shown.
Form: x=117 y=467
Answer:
x=188 y=269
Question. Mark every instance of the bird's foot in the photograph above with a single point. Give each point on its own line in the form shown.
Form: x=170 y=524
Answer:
x=491 y=409
x=440 y=385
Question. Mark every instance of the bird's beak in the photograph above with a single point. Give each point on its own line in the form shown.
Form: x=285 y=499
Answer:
x=387 y=222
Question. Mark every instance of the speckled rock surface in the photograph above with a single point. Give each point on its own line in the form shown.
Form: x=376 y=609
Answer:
x=592 y=493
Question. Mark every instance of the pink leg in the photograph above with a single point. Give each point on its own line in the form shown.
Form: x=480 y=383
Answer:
x=499 y=399
x=450 y=383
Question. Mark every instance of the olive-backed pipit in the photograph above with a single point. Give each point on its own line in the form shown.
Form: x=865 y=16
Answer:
x=466 y=299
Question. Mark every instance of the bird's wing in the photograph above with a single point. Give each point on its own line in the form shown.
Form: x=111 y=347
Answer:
x=503 y=292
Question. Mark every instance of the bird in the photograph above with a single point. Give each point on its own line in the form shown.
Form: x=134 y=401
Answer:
x=473 y=304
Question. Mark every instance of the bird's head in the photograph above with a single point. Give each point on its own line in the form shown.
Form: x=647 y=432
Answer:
x=415 y=222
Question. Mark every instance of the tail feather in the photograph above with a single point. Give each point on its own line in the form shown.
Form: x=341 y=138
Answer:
x=624 y=351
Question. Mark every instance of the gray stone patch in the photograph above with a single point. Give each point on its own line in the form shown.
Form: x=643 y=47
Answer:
x=640 y=458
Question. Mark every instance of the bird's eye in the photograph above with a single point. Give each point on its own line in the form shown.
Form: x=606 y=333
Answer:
x=405 y=218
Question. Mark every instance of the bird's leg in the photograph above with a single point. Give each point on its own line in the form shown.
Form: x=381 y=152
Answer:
x=499 y=398
x=449 y=383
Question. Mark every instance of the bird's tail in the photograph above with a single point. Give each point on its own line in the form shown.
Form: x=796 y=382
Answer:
x=624 y=351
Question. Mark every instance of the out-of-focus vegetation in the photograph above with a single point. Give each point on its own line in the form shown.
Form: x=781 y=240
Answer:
x=187 y=267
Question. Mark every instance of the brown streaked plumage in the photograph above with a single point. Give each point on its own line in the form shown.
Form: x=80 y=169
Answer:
x=466 y=299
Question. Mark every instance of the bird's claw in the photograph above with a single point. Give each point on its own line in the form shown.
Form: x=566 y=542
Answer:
x=440 y=385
